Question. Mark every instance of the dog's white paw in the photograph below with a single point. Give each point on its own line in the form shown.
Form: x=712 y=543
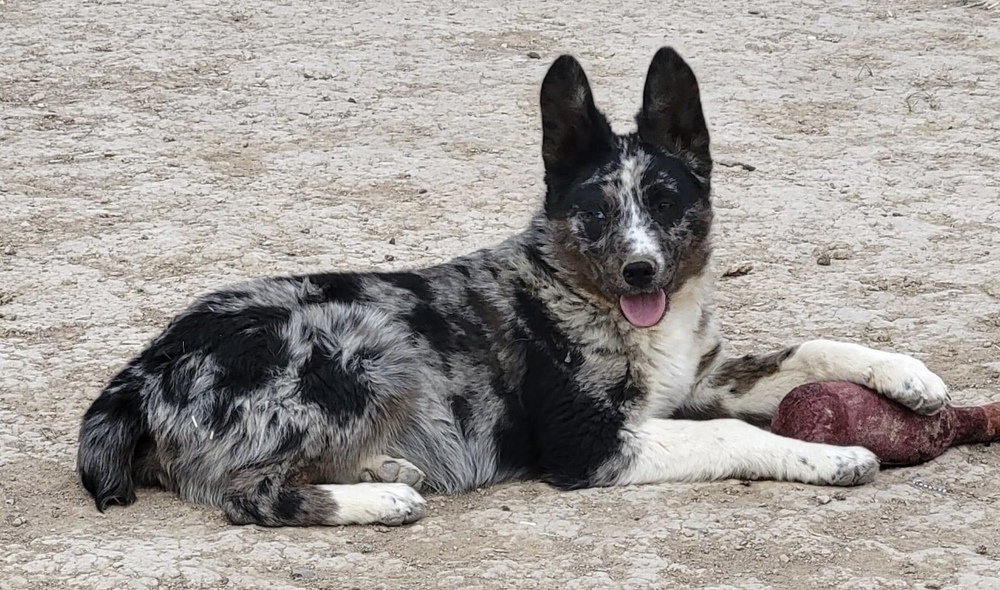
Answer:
x=391 y=504
x=389 y=470
x=908 y=381
x=840 y=466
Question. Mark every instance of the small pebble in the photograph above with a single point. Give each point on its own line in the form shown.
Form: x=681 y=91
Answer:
x=823 y=499
x=504 y=508
x=389 y=257
x=301 y=573
x=9 y=250
x=17 y=521
x=784 y=558
x=823 y=259
x=534 y=55
x=352 y=101
x=392 y=241
x=422 y=191
x=840 y=496
x=305 y=230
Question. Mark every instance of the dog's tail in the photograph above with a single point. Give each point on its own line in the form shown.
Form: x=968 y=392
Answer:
x=108 y=436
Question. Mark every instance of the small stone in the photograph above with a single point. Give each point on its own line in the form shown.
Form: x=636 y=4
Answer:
x=687 y=533
x=784 y=558
x=824 y=499
x=932 y=586
x=534 y=55
x=9 y=250
x=352 y=101
x=422 y=191
x=840 y=496
x=17 y=521
x=389 y=257
x=982 y=550
x=305 y=230
x=301 y=573
x=392 y=241
x=823 y=259
x=753 y=12
x=504 y=508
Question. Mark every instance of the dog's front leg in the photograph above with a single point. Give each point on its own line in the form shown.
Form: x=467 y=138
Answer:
x=661 y=451
x=751 y=387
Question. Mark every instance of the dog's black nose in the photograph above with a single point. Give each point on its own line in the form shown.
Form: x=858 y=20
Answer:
x=639 y=274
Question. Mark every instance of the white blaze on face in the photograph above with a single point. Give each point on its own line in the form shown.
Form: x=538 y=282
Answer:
x=635 y=218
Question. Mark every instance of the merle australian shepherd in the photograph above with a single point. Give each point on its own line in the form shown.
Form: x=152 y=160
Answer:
x=582 y=352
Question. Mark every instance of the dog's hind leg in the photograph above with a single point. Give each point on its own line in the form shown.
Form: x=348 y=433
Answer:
x=751 y=387
x=265 y=497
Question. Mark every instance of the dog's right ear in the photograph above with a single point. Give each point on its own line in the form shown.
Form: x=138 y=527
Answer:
x=573 y=130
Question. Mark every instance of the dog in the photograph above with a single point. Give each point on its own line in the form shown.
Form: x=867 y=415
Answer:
x=582 y=352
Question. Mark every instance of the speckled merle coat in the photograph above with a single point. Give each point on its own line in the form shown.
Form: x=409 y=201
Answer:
x=582 y=352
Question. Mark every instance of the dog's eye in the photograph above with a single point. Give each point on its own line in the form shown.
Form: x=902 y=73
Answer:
x=593 y=223
x=664 y=206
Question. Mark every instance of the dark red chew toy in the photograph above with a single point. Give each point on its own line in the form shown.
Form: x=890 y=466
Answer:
x=847 y=414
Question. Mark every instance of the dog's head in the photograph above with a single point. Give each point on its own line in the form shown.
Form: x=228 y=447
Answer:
x=629 y=215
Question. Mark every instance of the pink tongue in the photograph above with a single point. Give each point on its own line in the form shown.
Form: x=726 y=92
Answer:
x=645 y=310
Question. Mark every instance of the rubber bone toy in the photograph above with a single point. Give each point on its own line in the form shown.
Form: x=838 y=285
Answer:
x=846 y=414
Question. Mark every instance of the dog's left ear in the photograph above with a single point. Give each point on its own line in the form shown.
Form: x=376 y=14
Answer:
x=671 y=117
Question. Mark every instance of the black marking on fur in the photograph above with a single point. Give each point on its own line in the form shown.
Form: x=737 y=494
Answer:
x=412 y=282
x=708 y=360
x=742 y=373
x=334 y=287
x=338 y=390
x=462 y=411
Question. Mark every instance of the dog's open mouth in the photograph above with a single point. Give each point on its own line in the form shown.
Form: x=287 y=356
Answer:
x=644 y=309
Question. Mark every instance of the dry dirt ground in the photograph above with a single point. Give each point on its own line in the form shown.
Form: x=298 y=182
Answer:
x=153 y=149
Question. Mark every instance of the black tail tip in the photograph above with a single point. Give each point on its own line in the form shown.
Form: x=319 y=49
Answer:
x=103 y=501
x=106 y=494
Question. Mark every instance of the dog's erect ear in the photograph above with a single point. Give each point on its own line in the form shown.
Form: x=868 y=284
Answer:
x=671 y=117
x=573 y=130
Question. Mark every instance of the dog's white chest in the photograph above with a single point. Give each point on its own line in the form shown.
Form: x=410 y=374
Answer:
x=669 y=354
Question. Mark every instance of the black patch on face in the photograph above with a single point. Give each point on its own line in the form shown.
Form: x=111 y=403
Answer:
x=334 y=288
x=576 y=194
x=668 y=204
x=339 y=392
